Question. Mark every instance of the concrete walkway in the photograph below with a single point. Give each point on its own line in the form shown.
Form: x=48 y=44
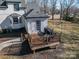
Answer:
x=9 y=43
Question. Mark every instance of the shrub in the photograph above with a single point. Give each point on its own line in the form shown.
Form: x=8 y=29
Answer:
x=76 y=20
x=68 y=18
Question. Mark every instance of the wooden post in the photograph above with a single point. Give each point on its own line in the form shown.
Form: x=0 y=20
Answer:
x=34 y=54
x=47 y=39
x=46 y=57
x=29 y=37
x=21 y=37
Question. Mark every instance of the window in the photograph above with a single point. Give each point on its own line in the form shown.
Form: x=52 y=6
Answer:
x=20 y=20
x=16 y=7
x=15 y=20
x=38 y=25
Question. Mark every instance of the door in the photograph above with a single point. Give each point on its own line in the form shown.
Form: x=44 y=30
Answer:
x=38 y=25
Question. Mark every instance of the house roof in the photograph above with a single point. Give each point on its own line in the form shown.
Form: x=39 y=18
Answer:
x=33 y=10
x=36 y=14
x=30 y=15
x=18 y=1
x=15 y=15
x=1 y=2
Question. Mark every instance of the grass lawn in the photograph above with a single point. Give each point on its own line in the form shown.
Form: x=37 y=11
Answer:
x=69 y=37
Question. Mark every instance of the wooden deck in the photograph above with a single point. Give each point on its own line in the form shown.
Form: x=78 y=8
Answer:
x=38 y=42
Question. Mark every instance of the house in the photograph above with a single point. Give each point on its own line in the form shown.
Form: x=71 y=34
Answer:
x=10 y=13
x=35 y=21
x=13 y=15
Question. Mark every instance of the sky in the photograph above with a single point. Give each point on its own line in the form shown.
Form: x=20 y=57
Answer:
x=58 y=3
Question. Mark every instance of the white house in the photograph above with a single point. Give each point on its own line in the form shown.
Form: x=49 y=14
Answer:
x=14 y=16
x=35 y=21
x=10 y=13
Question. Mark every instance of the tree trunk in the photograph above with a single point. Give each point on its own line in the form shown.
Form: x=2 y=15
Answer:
x=52 y=16
x=53 y=12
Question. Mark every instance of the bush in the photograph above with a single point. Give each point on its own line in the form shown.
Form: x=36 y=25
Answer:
x=71 y=18
x=68 y=18
x=76 y=20
x=1 y=31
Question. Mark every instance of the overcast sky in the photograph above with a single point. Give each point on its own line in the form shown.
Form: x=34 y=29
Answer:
x=58 y=3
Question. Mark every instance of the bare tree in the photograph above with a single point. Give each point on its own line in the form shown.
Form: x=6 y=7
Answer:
x=53 y=7
x=65 y=7
x=44 y=4
x=61 y=9
x=77 y=1
x=68 y=5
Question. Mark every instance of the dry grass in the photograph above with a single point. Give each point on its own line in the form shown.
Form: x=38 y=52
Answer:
x=69 y=49
x=69 y=37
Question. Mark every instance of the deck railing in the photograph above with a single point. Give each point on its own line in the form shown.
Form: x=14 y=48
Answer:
x=44 y=38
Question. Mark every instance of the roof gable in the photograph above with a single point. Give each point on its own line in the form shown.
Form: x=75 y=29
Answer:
x=1 y=2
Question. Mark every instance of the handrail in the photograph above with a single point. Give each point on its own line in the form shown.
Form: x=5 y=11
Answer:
x=22 y=37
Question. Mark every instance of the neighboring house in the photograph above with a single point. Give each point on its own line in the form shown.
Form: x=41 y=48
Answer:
x=10 y=13
x=35 y=21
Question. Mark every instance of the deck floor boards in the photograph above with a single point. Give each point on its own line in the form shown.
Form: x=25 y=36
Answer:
x=38 y=42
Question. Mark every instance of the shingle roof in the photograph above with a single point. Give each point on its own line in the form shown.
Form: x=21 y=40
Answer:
x=14 y=0
x=1 y=1
x=36 y=13
x=33 y=11
x=15 y=15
